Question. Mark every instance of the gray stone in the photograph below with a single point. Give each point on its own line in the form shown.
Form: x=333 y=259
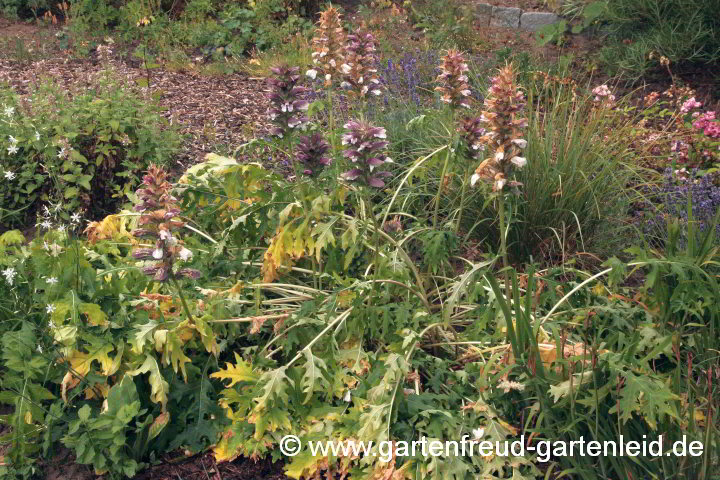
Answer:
x=505 y=17
x=535 y=20
x=483 y=13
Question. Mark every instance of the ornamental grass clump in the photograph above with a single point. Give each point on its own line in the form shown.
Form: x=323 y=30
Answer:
x=287 y=109
x=311 y=152
x=505 y=125
x=158 y=221
x=366 y=150
x=454 y=88
x=359 y=72
x=328 y=45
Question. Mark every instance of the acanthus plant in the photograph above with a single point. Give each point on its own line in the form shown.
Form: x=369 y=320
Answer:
x=455 y=91
x=366 y=150
x=505 y=124
x=158 y=222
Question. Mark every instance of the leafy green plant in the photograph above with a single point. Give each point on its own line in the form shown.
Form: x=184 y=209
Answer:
x=80 y=151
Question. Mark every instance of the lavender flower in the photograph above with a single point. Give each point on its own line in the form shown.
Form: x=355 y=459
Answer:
x=287 y=109
x=311 y=152
x=366 y=145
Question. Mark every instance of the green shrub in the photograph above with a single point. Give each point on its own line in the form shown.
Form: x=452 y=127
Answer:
x=82 y=151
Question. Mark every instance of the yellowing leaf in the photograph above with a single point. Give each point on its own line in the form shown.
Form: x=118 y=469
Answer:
x=110 y=227
x=95 y=315
x=158 y=386
x=240 y=372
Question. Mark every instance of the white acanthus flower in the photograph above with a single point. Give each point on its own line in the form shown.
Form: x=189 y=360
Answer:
x=347 y=397
x=9 y=274
x=312 y=73
x=185 y=254
x=157 y=253
x=519 y=162
x=346 y=68
x=521 y=143
x=328 y=77
x=473 y=180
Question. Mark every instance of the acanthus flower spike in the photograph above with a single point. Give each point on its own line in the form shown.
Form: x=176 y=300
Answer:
x=311 y=152
x=158 y=220
x=453 y=80
x=366 y=150
x=505 y=124
x=328 y=45
x=359 y=72
x=287 y=108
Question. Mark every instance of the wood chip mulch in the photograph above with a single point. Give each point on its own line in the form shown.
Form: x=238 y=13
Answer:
x=212 y=112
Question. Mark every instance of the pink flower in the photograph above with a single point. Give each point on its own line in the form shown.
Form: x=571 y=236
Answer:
x=690 y=104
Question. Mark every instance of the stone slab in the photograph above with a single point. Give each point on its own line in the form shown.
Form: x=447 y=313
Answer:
x=483 y=13
x=533 y=21
x=508 y=17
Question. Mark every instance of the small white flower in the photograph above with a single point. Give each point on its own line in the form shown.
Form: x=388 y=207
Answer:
x=9 y=175
x=185 y=254
x=347 y=397
x=9 y=111
x=346 y=68
x=61 y=153
x=39 y=349
x=508 y=385
x=519 y=161
x=57 y=207
x=12 y=139
x=9 y=274
x=478 y=432
x=157 y=253
x=55 y=249
x=521 y=143
x=312 y=73
x=46 y=210
x=388 y=160
x=50 y=308
x=51 y=280
x=46 y=246
x=61 y=228
x=46 y=224
x=75 y=218
x=12 y=149
x=37 y=136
